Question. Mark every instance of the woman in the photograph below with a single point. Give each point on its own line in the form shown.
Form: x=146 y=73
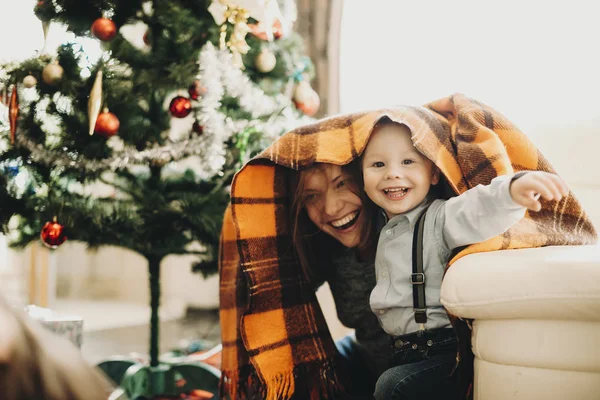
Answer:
x=333 y=236
x=327 y=242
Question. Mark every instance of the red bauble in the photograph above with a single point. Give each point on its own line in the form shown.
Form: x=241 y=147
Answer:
x=146 y=38
x=195 y=90
x=53 y=234
x=258 y=30
x=104 y=29
x=306 y=98
x=197 y=128
x=180 y=107
x=308 y=109
x=107 y=124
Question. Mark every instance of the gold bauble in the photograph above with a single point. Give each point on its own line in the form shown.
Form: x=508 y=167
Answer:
x=29 y=81
x=265 y=61
x=52 y=73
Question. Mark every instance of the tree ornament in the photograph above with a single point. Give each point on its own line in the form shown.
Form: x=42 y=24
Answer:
x=104 y=29
x=259 y=30
x=265 y=61
x=13 y=113
x=29 y=81
x=180 y=107
x=53 y=234
x=107 y=124
x=45 y=30
x=52 y=73
x=4 y=96
x=306 y=98
x=197 y=128
x=196 y=90
x=138 y=35
x=146 y=38
x=95 y=102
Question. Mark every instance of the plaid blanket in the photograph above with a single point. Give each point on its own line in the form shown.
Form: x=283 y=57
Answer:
x=275 y=340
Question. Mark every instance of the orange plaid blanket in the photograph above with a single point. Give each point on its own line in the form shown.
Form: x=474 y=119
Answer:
x=275 y=340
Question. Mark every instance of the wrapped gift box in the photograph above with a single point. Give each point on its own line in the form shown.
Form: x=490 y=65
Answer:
x=70 y=327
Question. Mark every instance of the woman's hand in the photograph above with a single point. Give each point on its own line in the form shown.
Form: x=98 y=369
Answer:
x=527 y=189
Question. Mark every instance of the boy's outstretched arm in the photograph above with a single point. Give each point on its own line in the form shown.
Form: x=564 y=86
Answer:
x=527 y=189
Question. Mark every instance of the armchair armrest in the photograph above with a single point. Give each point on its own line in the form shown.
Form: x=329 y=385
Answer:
x=557 y=282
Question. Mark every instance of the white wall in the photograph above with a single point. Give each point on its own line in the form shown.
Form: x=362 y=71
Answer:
x=535 y=62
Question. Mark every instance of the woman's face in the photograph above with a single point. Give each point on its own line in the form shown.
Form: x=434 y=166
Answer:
x=332 y=204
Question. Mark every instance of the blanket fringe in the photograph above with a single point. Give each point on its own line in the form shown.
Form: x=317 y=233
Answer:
x=310 y=382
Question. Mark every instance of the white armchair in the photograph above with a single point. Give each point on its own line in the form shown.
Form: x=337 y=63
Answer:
x=536 y=331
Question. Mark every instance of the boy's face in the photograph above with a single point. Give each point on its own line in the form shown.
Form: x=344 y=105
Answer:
x=397 y=177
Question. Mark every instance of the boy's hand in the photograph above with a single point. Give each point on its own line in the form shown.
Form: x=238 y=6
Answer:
x=527 y=189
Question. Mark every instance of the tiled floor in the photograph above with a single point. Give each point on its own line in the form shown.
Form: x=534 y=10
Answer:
x=196 y=325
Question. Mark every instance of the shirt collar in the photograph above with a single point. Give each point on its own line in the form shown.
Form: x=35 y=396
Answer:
x=411 y=215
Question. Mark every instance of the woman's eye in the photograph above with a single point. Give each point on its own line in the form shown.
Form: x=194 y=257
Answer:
x=378 y=164
x=310 y=198
x=407 y=162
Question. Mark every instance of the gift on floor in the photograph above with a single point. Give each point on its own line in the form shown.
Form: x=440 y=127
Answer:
x=68 y=326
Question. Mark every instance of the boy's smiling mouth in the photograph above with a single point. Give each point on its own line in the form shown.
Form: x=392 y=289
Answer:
x=396 y=193
x=345 y=222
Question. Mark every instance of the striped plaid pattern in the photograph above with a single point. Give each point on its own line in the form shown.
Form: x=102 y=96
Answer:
x=275 y=340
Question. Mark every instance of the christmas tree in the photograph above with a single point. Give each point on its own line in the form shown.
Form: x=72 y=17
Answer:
x=137 y=147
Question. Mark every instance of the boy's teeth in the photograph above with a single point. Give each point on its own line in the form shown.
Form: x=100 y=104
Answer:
x=345 y=220
x=393 y=190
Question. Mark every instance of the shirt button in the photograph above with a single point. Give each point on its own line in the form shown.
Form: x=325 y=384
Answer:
x=380 y=312
x=384 y=274
x=389 y=232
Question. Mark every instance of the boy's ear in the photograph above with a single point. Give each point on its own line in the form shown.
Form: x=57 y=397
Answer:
x=435 y=175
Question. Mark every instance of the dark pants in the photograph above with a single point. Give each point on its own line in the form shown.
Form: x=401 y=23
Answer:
x=423 y=363
x=362 y=380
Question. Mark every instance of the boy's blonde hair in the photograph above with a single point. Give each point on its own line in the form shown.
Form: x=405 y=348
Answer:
x=36 y=364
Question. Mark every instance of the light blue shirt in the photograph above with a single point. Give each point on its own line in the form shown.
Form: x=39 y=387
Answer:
x=475 y=216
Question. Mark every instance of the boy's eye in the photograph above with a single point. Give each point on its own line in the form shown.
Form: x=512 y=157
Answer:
x=378 y=164
x=406 y=162
x=341 y=183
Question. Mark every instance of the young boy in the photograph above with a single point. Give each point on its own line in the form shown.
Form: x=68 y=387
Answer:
x=398 y=179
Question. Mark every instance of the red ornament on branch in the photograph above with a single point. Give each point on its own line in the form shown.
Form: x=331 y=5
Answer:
x=146 y=38
x=104 y=29
x=197 y=128
x=107 y=124
x=306 y=99
x=259 y=31
x=180 y=107
x=13 y=114
x=195 y=90
x=53 y=234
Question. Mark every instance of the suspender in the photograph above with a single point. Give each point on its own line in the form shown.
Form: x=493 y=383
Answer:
x=417 y=278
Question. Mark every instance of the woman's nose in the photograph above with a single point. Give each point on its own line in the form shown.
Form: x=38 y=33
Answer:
x=333 y=204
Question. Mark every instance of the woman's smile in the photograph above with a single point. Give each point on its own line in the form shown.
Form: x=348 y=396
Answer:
x=346 y=222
